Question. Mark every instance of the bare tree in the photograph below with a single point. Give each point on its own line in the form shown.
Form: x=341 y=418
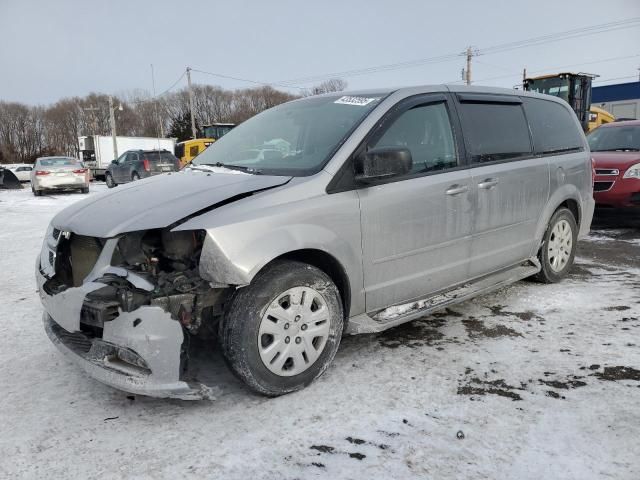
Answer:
x=28 y=131
x=328 y=86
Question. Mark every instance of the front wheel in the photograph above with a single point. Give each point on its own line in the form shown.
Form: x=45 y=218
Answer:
x=282 y=331
x=109 y=181
x=558 y=247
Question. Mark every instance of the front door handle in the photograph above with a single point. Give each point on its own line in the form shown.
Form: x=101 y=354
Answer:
x=457 y=189
x=488 y=184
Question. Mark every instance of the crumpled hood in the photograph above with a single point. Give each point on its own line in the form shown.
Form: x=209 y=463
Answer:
x=157 y=202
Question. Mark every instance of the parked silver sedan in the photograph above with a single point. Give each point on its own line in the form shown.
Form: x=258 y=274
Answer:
x=59 y=173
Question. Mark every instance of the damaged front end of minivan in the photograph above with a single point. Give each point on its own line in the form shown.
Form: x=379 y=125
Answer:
x=125 y=307
x=126 y=283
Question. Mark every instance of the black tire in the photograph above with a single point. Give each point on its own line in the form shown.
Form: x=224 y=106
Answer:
x=239 y=331
x=84 y=190
x=135 y=176
x=548 y=274
x=109 y=181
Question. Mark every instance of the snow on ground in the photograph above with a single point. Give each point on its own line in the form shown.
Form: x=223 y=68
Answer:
x=533 y=381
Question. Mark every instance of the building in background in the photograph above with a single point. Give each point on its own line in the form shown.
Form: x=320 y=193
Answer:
x=622 y=100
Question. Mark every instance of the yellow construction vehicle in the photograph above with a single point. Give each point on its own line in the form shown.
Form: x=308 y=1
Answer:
x=574 y=88
x=190 y=149
x=599 y=116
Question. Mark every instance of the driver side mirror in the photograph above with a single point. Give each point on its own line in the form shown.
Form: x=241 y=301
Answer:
x=382 y=163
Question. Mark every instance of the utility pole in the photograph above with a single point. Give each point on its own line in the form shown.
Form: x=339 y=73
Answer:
x=155 y=103
x=524 y=77
x=193 y=118
x=112 y=119
x=467 y=75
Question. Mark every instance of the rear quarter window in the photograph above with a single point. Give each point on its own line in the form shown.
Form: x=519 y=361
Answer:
x=553 y=126
x=495 y=131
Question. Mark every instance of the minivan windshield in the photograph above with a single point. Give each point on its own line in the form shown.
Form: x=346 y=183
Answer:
x=295 y=138
x=615 y=138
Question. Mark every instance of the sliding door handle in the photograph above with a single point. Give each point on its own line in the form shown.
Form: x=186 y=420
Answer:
x=457 y=189
x=488 y=184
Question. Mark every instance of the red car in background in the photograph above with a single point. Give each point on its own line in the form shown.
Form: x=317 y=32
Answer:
x=615 y=148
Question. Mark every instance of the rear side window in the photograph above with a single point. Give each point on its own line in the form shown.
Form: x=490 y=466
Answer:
x=160 y=157
x=495 y=131
x=58 y=162
x=168 y=157
x=553 y=127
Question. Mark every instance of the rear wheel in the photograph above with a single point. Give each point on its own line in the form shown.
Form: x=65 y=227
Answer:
x=135 y=176
x=283 y=330
x=558 y=247
x=85 y=190
x=109 y=180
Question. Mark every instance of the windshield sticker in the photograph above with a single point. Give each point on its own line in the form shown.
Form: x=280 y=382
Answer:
x=360 y=101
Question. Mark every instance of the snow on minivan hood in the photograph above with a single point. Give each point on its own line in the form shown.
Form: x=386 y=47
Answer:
x=156 y=202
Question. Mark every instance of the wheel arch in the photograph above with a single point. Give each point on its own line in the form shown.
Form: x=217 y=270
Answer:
x=328 y=264
x=567 y=197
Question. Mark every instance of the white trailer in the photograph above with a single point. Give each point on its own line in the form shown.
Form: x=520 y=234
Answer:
x=96 y=151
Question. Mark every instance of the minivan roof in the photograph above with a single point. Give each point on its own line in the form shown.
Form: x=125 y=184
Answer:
x=453 y=88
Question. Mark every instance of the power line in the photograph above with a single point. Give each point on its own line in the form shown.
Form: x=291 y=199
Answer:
x=603 y=60
x=172 y=85
x=616 y=78
x=565 y=35
x=154 y=97
x=229 y=77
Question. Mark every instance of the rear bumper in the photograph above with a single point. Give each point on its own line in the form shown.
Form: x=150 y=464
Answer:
x=60 y=183
x=588 y=207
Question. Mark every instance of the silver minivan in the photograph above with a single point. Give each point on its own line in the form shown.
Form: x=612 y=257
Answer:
x=370 y=209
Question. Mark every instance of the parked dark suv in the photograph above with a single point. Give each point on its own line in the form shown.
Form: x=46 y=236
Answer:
x=136 y=164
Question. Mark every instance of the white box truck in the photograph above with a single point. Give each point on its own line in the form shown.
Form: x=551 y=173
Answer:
x=96 y=151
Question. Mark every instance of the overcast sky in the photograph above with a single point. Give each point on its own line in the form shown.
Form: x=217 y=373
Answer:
x=54 y=49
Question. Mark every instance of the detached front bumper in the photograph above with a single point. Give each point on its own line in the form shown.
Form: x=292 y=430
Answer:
x=138 y=351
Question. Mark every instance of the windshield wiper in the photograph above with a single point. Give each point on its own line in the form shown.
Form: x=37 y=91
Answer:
x=242 y=168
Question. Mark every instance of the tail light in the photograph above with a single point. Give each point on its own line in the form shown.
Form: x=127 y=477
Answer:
x=146 y=165
x=80 y=171
x=42 y=172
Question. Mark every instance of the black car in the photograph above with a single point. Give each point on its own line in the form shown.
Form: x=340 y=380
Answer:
x=136 y=164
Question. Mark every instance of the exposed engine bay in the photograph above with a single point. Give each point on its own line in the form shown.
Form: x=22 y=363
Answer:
x=164 y=263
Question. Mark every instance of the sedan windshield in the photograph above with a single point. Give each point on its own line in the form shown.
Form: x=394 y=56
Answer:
x=615 y=138
x=295 y=138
